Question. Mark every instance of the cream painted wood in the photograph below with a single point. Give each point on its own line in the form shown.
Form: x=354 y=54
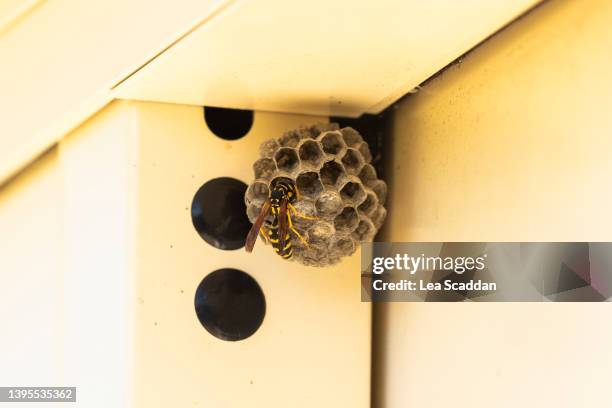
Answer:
x=66 y=244
x=31 y=293
x=512 y=144
x=99 y=184
x=313 y=348
x=118 y=262
x=318 y=57
x=12 y=10
x=62 y=59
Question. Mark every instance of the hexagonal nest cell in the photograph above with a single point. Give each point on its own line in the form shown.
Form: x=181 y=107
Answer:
x=341 y=196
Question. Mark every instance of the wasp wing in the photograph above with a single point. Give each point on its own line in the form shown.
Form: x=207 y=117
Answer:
x=254 y=232
x=283 y=225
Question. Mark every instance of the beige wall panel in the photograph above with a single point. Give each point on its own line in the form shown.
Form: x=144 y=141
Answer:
x=31 y=293
x=313 y=348
x=318 y=57
x=98 y=250
x=12 y=10
x=65 y=241
x=516 y=139
x=60 y=60
x=101 y=261
x=512 y=144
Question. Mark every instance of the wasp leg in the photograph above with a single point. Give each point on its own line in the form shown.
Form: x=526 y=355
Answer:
x=299 y=214
x=262 y=232
x=297 y=233
x=300 y=237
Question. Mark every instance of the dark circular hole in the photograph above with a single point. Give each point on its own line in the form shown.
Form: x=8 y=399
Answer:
x=230 y=304
x=219 y=215
x=230 y=124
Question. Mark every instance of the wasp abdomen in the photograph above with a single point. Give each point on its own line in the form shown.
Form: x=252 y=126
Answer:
x=273 y=232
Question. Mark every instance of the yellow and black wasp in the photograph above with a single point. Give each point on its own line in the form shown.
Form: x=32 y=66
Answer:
x=279 y=204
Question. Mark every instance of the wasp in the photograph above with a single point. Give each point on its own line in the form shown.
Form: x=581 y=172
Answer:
x=280 y=205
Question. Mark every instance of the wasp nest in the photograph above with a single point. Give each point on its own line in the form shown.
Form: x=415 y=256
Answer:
x=337 y=184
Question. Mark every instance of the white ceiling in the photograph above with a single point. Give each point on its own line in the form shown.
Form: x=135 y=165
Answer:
x=63 y=60
x=60 y=59
x=11 y=10
x=318 y=57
